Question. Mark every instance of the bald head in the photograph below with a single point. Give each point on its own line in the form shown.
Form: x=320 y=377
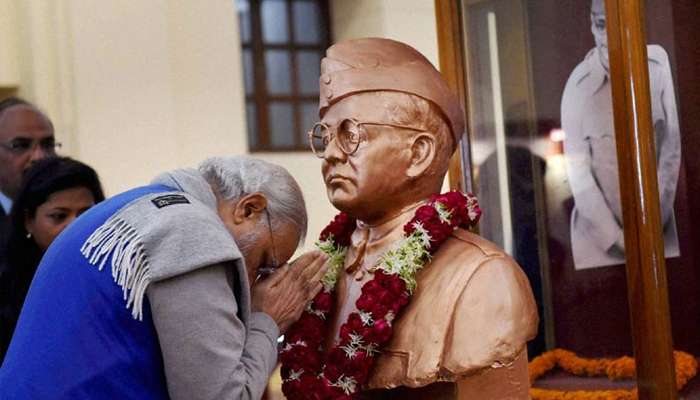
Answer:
x=26 y=135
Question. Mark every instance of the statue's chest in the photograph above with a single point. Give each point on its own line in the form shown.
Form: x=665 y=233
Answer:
x=419 y=320
x=347 y=291
x=358 y=261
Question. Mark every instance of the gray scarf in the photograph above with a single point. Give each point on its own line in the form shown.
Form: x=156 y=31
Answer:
x=162 y=235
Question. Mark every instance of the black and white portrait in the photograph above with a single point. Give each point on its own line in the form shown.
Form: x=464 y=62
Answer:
x=587 y=119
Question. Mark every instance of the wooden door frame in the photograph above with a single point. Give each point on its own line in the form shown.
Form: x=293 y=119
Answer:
x=452 y=56
x=451 y=53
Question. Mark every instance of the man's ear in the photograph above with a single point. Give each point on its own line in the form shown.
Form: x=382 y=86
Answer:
x=249 y=206
x=422 y=154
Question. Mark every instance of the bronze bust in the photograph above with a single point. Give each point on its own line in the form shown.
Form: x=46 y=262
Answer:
x=464 y=332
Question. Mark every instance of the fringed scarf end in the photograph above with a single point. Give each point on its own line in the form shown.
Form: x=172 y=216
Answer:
x=130 y=267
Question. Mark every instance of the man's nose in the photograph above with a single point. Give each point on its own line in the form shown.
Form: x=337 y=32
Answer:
x=38 y=152
x=333 y=153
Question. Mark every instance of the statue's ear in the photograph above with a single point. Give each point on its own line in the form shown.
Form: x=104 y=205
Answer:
x=422 y=154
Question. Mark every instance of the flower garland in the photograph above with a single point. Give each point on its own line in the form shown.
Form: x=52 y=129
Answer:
x=619 y=368
x=308 y=371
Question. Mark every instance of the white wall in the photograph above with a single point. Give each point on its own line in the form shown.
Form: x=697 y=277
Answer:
x=161 y=94
x=9 y=57
x=138 y=87
x=409 y=21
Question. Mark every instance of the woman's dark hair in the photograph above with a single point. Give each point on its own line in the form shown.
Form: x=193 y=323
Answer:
x=22 y=255
x=46 y=177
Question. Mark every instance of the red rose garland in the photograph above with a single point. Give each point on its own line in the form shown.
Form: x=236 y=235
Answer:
x=310 y=373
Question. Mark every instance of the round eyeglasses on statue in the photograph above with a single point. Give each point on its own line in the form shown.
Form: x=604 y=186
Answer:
x=348 y=134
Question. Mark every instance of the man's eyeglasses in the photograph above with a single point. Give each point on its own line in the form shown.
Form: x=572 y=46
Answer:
x=19 y=146
x=348 y=134
x=269 y=269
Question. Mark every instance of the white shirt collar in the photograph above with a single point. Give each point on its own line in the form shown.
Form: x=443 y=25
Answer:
x=6 y=203
x=596 y=76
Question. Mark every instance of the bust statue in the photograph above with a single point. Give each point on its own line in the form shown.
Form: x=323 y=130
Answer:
x=464 y=332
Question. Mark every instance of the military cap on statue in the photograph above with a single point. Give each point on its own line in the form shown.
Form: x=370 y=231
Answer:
x=377 y=64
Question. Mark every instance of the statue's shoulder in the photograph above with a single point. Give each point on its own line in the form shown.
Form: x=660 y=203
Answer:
x=473 y=266
x=480 y=272
x=469 y=241
x=467 y=250
x=487 y=314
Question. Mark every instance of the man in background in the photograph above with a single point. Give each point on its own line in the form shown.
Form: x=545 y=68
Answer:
x=587 y=119
x=26 y=135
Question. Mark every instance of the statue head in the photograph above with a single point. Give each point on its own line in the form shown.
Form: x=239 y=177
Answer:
x=599 y=33
x=389 y=124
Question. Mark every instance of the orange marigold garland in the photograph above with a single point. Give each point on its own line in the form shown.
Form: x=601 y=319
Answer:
x=544 y=394
x=614 y=369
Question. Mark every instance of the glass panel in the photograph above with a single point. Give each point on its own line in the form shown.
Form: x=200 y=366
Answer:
x=309 y=116
x=274 y=21
x=307 y=22
x=545 y=165
x=248 y=72
x=251 y=120
x=281 y=121
x=545 y=162
x=278 y=71
x=243 y=8
x=309 y=69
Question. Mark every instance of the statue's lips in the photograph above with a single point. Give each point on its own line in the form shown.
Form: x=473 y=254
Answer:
x=337 y=179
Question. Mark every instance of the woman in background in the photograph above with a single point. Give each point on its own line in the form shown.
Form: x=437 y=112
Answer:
x=54 y=192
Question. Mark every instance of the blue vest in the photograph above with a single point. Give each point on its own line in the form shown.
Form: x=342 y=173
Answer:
x=75 y=338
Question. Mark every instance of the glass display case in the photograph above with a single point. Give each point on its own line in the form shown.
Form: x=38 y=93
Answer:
x=582 y=129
